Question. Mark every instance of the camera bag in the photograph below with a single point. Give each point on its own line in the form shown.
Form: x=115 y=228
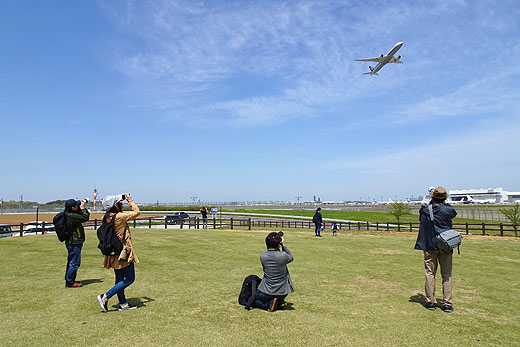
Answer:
x=248 y=292
x=448 y=239
x=59 y=225
x=109 y=243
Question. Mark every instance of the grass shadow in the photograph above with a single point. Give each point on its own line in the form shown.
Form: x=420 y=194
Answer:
x=138 y=302
x=90 y=281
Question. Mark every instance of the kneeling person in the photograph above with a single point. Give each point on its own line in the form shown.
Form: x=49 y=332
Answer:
x=276 y=283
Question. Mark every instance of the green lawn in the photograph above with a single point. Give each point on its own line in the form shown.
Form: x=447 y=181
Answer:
x=356 y=289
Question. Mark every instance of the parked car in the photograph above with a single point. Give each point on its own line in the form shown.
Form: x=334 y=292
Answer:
x=38 y=227
x=5 y=230
x=176 y=218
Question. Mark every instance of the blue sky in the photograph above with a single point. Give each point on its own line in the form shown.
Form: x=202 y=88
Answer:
x=257 y=100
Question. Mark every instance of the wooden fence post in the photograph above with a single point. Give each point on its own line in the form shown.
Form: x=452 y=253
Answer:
x=21 y=229
x=198 y=223
x=231 y=223
x=135 y=223
x=377 y=226
x=467 y=228
x=368 y=226
x=410 y=226
x=358 y=225
x=149 y=222
x=95 y=223
x=165 y=223
x=387 y=226
x=483 y=229
x=249 y=223
x=501 y=229
x=214 y=225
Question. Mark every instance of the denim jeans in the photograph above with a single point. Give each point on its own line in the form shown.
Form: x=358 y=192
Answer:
x=124 y=278
x=317 y=229
x=73 y=263
x=262 y=299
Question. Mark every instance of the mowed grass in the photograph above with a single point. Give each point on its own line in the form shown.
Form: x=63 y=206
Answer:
x=352 y=290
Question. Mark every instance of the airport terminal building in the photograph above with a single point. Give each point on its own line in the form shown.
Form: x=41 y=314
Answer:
x=485 y=195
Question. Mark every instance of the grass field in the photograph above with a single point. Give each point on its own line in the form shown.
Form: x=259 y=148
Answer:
x=353 y=290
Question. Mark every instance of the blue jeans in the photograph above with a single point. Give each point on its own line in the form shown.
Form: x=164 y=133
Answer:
x=124 y=278
x=73 y=263
x=262 y=299
x=317 y=229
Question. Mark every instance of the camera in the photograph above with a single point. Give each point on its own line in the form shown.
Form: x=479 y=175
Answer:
x=280 y=233
x=87 y=200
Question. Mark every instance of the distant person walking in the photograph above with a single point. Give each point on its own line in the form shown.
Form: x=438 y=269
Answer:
x=426 y=241
x=204 y=212
x=317 y=220
x=123 y=264
x=75 y=215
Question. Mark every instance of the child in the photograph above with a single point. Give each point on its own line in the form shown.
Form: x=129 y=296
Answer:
x=334 y=229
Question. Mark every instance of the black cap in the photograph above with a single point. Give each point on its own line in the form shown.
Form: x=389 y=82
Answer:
x=69 y=204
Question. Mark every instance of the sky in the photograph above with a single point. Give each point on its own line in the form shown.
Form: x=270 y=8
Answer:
x=257 y=100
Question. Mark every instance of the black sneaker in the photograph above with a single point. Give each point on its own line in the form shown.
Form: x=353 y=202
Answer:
x=126 y=308
x=447 y=308
x=102 y=303
x=430 y=306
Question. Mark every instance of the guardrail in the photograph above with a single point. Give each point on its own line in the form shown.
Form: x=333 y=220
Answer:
x=498 y=229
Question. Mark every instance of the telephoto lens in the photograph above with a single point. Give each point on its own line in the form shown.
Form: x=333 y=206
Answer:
x=87 y=200
x=280 y=233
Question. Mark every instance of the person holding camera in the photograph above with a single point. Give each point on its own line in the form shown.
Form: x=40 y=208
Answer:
x=75 y=215
x=276 y=283
x=123 y=264
x=426 y=241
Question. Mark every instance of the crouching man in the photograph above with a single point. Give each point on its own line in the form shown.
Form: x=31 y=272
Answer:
x=276 y=283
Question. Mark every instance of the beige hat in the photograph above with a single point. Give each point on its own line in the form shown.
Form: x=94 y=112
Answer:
x=440 y=193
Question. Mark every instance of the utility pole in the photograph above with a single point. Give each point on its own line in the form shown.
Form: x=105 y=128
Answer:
x=298 y=197
x=193 y=198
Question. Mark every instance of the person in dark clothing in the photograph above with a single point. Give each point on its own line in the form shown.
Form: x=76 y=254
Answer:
x=204 y=212
x=75 y=215
x=276 y=283
x=317 y=220
x=426 y=241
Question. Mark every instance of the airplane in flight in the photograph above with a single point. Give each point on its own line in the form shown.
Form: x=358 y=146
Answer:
x=384 y=59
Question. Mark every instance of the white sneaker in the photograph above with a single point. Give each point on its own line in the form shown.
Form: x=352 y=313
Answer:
x=126 y=308
x=102 y=303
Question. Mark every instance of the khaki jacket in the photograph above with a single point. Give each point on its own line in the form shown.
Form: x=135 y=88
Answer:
x=120 y=225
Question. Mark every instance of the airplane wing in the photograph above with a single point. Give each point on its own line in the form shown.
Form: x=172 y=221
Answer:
x=378 y=59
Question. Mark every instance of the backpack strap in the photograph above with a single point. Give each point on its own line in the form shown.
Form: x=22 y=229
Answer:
x=252 y=298
x=430 y=209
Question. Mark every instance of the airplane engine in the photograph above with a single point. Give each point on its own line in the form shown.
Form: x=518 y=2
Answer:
x=398 y=57
x=381 y=55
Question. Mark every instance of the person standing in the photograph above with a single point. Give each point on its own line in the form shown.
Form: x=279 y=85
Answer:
x=123 y=264
x=75 y=215
x=317 y=220
x=204 y=212
x=276 y=283
x=426 y=241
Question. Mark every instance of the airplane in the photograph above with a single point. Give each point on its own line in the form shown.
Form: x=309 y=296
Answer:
x=384 y=59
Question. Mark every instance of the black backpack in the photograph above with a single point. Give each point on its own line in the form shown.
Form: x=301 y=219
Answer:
x=248 y=293
x=59 y=225
x=109 y=243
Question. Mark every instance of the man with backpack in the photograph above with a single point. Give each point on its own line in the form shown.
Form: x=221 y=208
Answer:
x=122 y=263
x=429 y=228
x=276 y=283
x=74 y=215
x=317 y=220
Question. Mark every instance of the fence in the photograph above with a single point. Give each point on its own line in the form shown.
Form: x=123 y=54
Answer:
x=496 y=229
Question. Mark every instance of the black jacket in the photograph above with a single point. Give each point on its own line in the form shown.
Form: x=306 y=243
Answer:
x=443 y=214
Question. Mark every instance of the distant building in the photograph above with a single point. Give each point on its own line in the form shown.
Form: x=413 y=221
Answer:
x=481 y=195
x=513 y=197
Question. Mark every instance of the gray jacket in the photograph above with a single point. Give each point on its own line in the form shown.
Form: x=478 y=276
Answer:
x=277 y=280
